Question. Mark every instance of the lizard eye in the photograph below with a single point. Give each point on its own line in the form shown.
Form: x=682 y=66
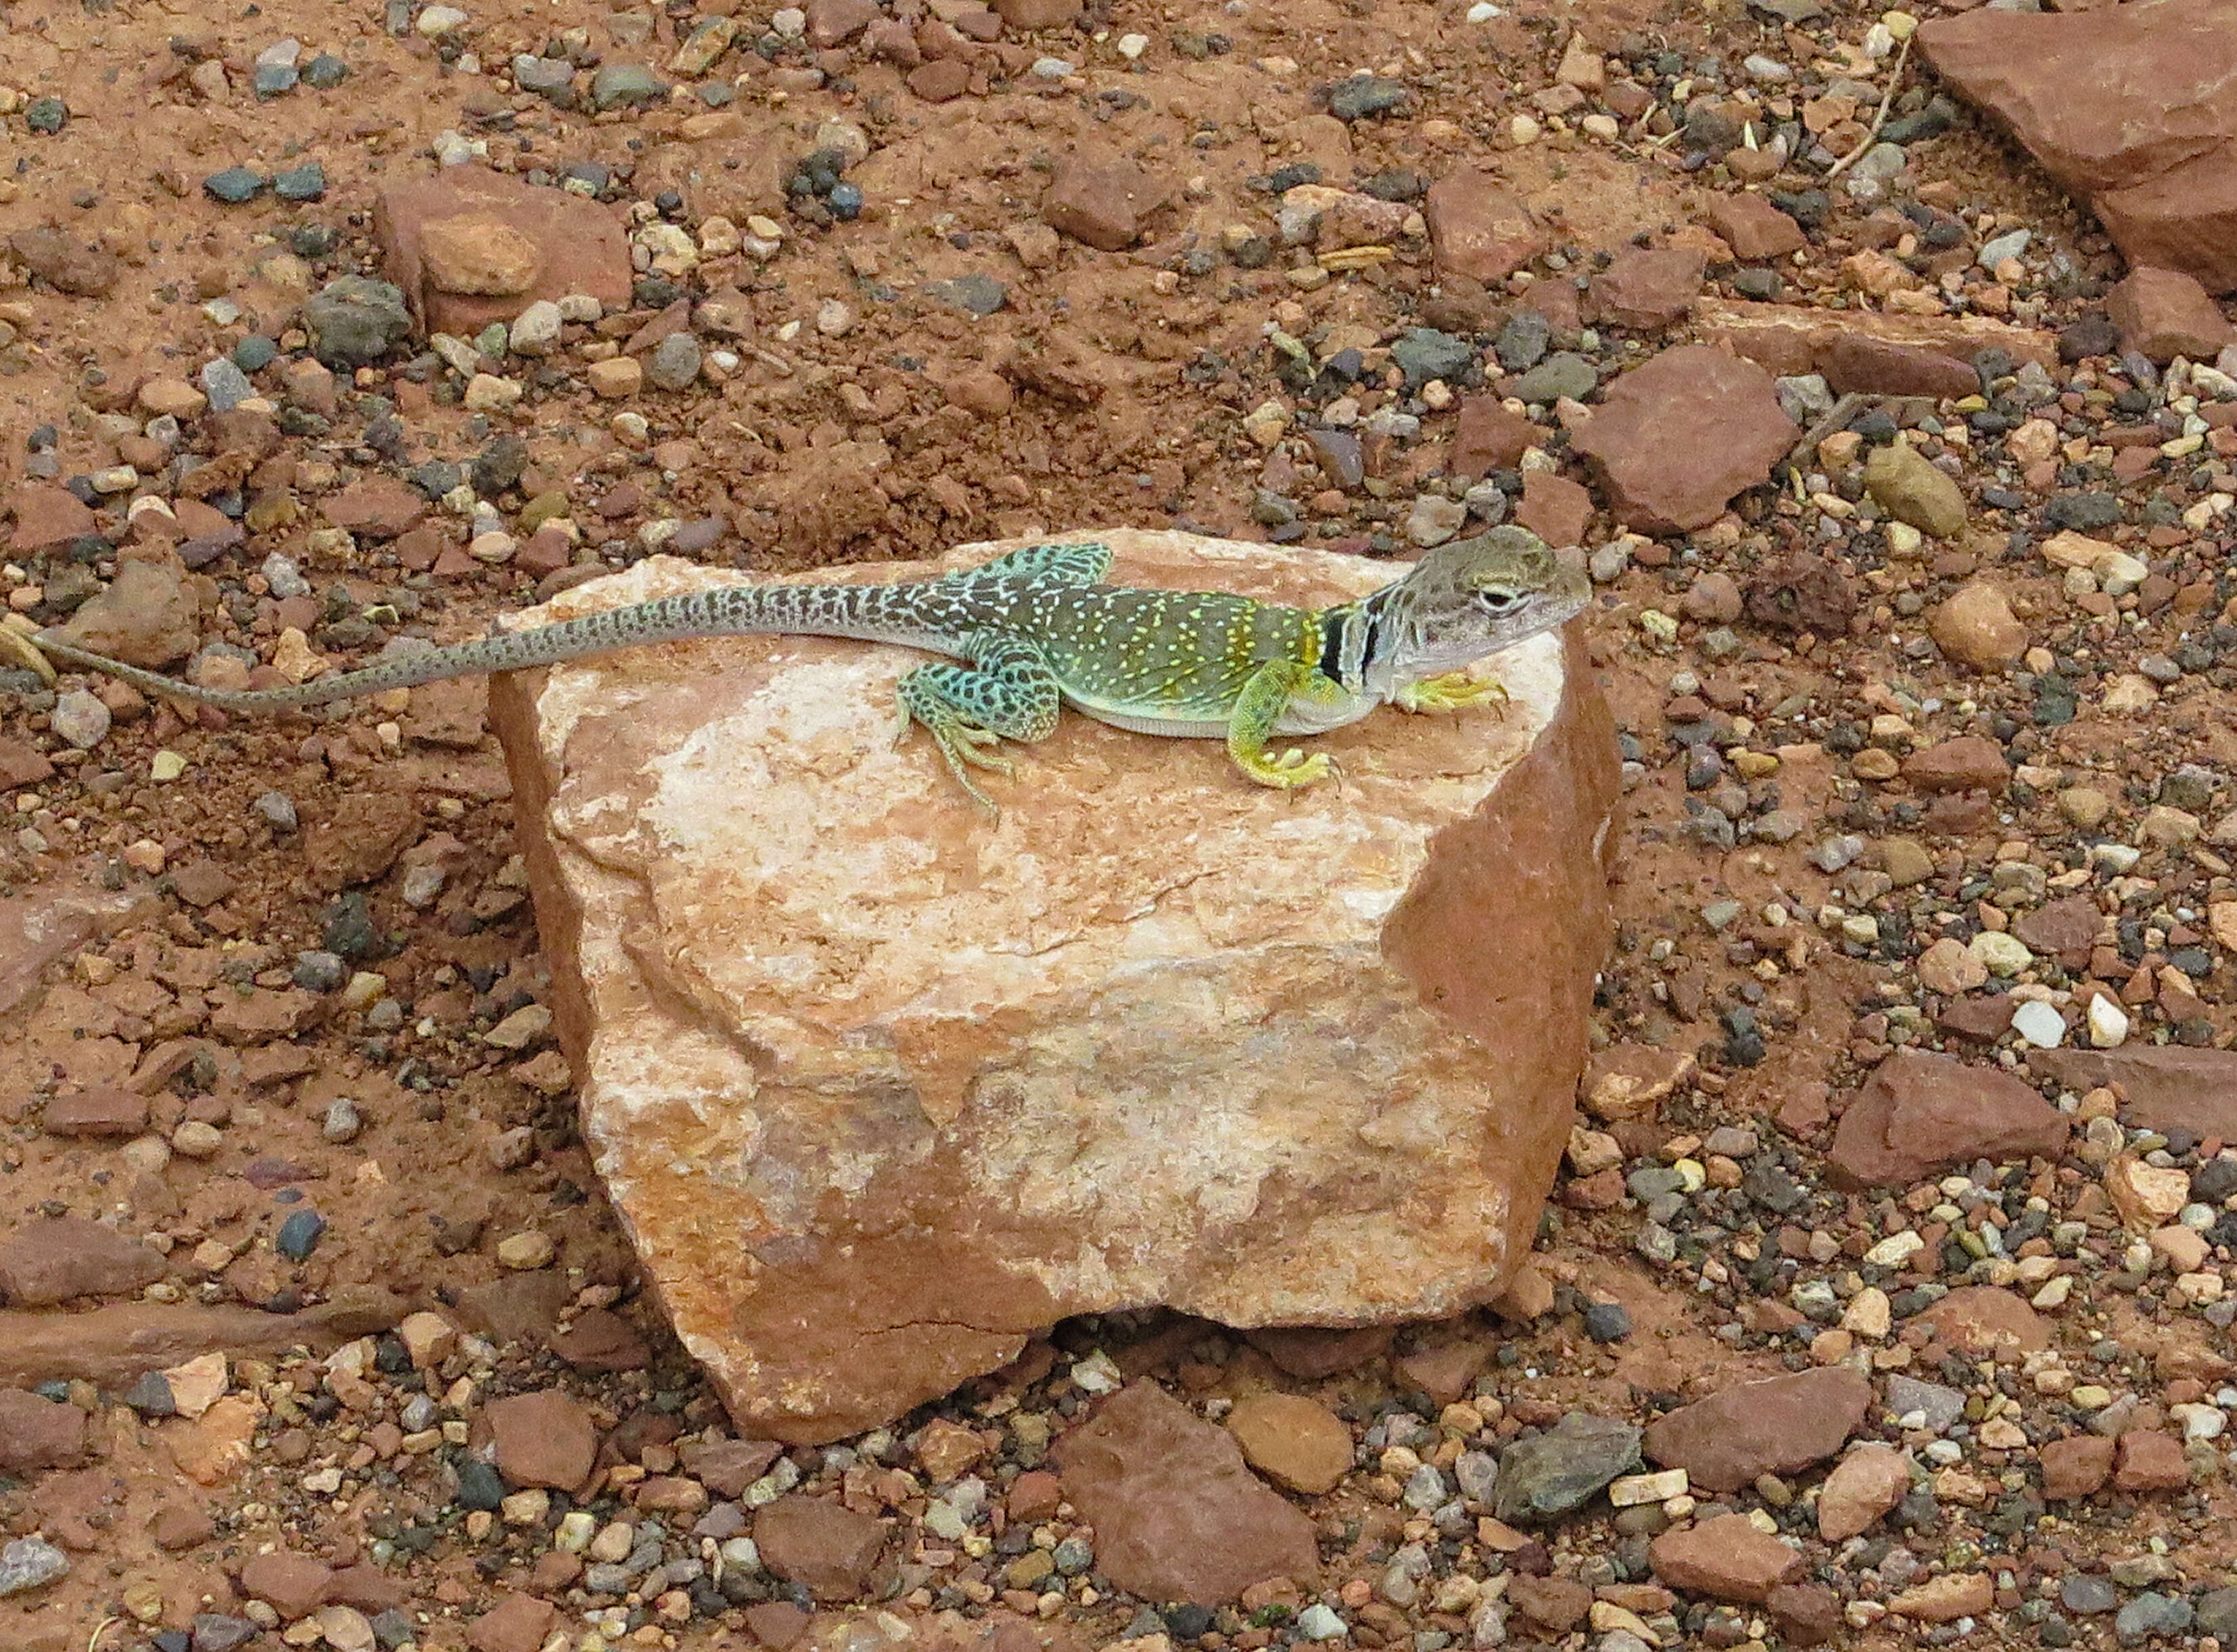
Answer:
x=1498 y=602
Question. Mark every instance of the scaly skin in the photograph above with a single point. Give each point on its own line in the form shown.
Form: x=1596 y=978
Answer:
x=1037 y=630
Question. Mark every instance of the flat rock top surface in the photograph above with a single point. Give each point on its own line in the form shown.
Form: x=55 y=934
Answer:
x=753 y=785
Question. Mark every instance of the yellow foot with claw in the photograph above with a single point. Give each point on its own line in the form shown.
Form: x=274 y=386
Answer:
x=1454 y=691
x=1292 y=768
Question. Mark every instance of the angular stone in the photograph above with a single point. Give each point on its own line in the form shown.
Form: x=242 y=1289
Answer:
x=1946 y=1599
x=2076 y=1466
x=1880 y=366
x=580 y=246
x=1314 y=1353
x=146 y=616
x=2168 y=1087
x=1645 y=437
x=1034 y=15
x=47 y=518
x=100 y=1110
x=1863 y=1486
x=294 y=1585
x=1552 y=1473
x=378 y=508
x=1987 y=1320
x=517 y=1623
x=1294 y=1440
x=1100 y=200
x=1728 y=1558
x=1918 y=1114
x=1555 y=508
x=1478 y=229
x=831 y=22
x=1967 y=763
x=2150 y=1461
x=727 y=1467
x=1753 y=228
x=821 y=1544
x=1019 y=1184
x=1646 y=288
x=1488 y=437
x=1977 y=627
x=2067 y=929
x=1177 y=1515
x=1771 y=1427
x=38 y=1433
x=2135 y=111
x=58 y=1258
x=1788 y=339
x=2166 y=313
x=544 y=1439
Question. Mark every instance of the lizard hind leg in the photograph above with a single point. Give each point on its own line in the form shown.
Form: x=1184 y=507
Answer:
x=1007 y=691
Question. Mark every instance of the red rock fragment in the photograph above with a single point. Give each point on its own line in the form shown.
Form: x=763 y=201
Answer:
x=2166 y=313
x=2075 y=1466
x=1178 y=1514
x=1918 y=1114
x=1772 y=1427
x=1478 y=228
x=1101 y=201
x=1727 y=1558
x=820 y=1543
x=544 y=1439
x=1645 y=437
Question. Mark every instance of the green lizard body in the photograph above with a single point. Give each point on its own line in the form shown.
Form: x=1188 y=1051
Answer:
x=1036 y=629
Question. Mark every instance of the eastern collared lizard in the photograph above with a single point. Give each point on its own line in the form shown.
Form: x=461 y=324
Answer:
x=1037 y=629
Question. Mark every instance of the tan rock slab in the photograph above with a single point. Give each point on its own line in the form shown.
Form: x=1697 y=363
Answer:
x=1729 y=1558
x=1294 y=1440
x=1863 y=1486
x=880 y=1085
x=1944 y=1600
x=579 y=246
x=1784 y=339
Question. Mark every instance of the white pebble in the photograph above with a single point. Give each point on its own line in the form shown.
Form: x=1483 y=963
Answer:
x=2039 y=1024
x=2108 y=1024
x=80 y=719
x=437 y=21
x=1133 y=46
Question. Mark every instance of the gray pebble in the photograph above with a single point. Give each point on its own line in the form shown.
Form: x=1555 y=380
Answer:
x=80 y=719
x=618 y=85
x=1566 y=374
x=356 y=320
x=674 y=363
x=1557 y=1471
x=28 y=1563
x=277 y=809
x=225 y=384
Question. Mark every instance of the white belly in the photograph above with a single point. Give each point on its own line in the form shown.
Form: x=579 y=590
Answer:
x=1299 y=719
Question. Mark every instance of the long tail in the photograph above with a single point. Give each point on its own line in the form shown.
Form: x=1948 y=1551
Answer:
x=875 y=613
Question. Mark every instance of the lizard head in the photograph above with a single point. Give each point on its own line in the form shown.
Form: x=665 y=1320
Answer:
x=1474 y=597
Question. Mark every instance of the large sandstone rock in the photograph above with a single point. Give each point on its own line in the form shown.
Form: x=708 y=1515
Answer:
x=2132 y=108
x=2165 y=1087
x=880 y=1085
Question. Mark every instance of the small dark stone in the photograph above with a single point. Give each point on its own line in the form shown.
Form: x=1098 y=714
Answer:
x=324 y=72
x=846 y=200
x=1522 y=342
x=173 y=1641
x=234 y=186
x=299 y=1234
x=1608 y=1322
x=255 y=353
x=1809 y=207
x=481 y=1486
x=274 y=80
x=2094 y=334
x=347 y=929
x=46 y=116
x=151 y=1396
x=310 y=240
x=2210 y=1184
x=977 y=293
x=1364 y=94
x=1190 y=1622
x=1284 y=179
x=498 y=466
x=2081 y=512
x=435 y=478
x=1762 y=285
x=1425 y=353
x=305 y=182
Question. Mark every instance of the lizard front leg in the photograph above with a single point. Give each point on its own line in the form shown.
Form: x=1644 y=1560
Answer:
x=1007 y=693
x=1258 y=710
x=1451 y=691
